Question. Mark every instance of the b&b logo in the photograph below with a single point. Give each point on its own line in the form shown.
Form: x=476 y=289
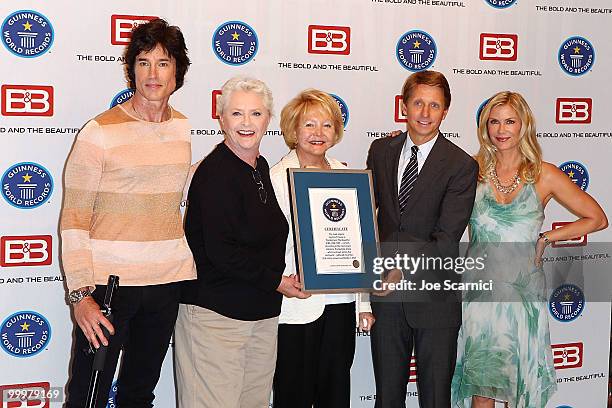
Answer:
x=122 y=26
x=412 y=371
x=576 y=56
x=500 y=3
x=574 y=110
x=572 y=242
x=566 y=303
x=577 y=172
x=215 y=96
x=27 y=100
x=28 y=395
x=329 y=40
x=27 y=185
x=27 y=33
x=121 y=97
x=343 y=109
x=416 y=50
x=235 y=43
x=25 y=334
x=567 y=355
x=399 y=114
x=28 y=250
x=498 y=47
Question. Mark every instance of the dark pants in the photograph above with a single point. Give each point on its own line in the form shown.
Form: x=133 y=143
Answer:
x=313 y=365
x=144 y=318
x=392 y=340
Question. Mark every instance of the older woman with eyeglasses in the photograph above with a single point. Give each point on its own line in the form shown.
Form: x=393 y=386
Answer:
x=226 y=332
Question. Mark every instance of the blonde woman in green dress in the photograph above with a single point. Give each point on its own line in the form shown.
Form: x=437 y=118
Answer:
x=504 y=349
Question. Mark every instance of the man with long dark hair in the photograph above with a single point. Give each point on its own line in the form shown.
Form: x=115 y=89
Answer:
x=121 y=216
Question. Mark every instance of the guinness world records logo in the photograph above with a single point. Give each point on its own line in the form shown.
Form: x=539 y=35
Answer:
x=344 y=110
x=235 y=43
x=576 y=56
x=121 y=97
x=27 y=33
x=500 y=4
x=479 y=111
x=416 y=50
x=27 y=185
x=112 y=396
x=25 y=334
x=334 y=209
x=566 y=303
x=577 y=172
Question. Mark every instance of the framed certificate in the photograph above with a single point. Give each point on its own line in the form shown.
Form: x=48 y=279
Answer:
x=334 y=229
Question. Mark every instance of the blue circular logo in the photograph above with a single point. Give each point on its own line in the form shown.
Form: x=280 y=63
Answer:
x=576 y=56
x=344 y=110
x=112 y=396
x=577 y=172
x=27 y=33
x=121 y=97
x=479 y=111
x=27 y=185
x=25 y=334
x=334 y=209
x=566 y=303
x=235 y=43
x=500 y=4
x=416 y=50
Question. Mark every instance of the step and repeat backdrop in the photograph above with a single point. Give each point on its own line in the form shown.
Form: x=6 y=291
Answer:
x=61 y=64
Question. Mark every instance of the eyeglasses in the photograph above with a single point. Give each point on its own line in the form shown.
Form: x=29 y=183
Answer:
x=263 y=195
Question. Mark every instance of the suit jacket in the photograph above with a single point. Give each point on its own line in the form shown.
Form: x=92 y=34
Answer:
x=432 y=223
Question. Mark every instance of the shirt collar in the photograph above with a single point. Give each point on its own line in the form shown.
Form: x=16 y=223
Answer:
x=424 y=149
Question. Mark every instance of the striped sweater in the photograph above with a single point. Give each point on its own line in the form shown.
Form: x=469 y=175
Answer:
x=123 y=186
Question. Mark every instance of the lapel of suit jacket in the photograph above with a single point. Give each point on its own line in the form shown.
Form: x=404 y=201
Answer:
x=432 y=166
x=394 y=150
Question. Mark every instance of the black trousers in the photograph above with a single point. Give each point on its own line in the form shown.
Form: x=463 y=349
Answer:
x=392 y=340
x=144 y=318
x=313 y=366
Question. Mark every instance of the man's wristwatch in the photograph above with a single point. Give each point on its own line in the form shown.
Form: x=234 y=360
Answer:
x=77 y=295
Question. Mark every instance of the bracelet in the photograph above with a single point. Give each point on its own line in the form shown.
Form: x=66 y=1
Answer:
x=543 y=236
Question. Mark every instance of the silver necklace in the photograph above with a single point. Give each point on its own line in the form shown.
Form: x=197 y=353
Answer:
x=504 y=189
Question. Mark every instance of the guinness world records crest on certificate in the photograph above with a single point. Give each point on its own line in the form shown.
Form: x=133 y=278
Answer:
x=334 y=229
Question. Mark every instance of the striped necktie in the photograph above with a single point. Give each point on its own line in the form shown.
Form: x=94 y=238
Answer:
x=408 y=179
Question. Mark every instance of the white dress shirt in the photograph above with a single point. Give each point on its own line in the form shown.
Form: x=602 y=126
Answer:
x=404 y=159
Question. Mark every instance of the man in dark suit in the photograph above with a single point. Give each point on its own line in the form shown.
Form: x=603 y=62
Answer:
x=424 y=189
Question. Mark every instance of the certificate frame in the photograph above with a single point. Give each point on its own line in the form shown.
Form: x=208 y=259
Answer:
x=301 y=183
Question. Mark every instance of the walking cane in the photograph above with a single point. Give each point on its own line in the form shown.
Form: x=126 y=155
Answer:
x=100 y=353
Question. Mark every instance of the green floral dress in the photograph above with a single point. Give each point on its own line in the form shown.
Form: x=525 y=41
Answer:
x=504 y=343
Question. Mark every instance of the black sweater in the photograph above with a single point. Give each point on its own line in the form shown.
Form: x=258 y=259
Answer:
x=237 y=241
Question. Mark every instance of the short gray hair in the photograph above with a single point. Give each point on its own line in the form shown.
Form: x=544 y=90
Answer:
x=245 y=84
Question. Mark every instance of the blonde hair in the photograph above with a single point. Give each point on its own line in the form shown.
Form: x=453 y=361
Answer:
x=309 y=99
x=245 y=84
x=531 y=152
